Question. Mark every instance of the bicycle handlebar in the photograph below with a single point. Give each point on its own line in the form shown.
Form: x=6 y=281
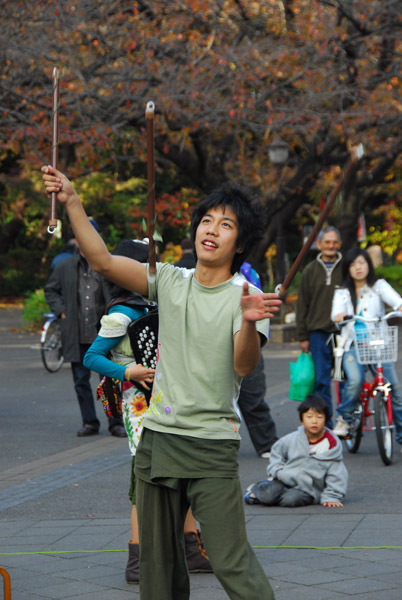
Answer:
x=352 y=318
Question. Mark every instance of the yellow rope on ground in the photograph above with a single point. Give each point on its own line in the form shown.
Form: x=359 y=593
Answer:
x=255 y=547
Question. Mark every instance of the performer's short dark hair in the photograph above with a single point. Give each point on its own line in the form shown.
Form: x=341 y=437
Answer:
x=248 y=212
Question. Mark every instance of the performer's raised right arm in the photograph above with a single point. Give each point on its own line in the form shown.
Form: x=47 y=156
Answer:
x=126 y=272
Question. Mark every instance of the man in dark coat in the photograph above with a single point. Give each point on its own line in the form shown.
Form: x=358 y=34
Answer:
x=66 y=252
x=78 y=295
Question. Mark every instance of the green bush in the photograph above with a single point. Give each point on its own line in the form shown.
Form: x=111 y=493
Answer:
x=34 y=306
x=392 y=274
x=21 y=271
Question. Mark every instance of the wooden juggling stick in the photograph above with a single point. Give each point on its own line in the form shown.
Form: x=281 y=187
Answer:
x=357 y=154
x=55 y=148
x=149 y=118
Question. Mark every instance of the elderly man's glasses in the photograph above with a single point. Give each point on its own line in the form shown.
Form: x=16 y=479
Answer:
x=331 y=243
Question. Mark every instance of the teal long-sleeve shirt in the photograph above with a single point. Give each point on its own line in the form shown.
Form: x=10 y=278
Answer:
x=97 y=357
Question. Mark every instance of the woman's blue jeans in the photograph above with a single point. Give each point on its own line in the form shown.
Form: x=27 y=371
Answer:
x=355 y=375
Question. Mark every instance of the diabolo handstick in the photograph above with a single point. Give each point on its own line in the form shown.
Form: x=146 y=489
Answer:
x=55 y=148
x=357 y=154
x=149 y=118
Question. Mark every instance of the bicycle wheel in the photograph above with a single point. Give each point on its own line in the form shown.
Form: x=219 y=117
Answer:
x=355 y=430
x=51 y=351
x=383 y=429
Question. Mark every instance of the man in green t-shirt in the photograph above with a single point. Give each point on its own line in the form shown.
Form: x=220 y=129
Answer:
x=212 y=325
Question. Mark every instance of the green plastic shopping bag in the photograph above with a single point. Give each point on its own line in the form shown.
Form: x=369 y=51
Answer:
x=302 y=377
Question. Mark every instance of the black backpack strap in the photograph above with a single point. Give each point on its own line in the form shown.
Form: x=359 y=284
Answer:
x=130 y=301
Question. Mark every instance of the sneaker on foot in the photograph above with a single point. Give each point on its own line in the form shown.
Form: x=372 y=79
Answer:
x=265 y=454
x=341 y=428
x=250 y=497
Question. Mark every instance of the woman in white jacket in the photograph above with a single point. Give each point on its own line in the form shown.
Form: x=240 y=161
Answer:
x=364 y=295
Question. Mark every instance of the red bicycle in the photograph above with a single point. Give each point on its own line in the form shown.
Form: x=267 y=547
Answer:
x=376 y=343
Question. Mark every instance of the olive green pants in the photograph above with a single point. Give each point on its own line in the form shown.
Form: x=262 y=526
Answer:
x=217 y=504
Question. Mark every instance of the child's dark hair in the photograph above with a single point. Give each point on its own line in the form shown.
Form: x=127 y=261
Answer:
x=348 y=282
x=247 y=210
x=315 y=402
x=136 y=249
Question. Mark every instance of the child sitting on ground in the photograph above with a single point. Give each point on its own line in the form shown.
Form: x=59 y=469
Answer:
x=305 y=466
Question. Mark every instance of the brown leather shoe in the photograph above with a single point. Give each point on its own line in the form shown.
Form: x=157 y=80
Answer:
x=87 y=430
x=196 y=557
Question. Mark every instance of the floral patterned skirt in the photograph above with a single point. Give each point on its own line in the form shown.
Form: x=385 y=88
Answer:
x=134 y=409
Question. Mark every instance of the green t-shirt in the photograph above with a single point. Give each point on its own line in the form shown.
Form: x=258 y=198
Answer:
x=196 y=387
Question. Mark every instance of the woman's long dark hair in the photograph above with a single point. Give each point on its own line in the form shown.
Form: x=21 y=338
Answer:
x=348 y=282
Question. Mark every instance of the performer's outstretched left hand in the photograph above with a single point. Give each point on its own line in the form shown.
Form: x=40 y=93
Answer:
x=258 y=306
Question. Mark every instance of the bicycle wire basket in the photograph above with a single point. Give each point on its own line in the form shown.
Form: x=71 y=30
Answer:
x=376 y=342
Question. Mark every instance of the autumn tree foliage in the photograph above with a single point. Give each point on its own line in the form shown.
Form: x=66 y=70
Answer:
x=173 y=213
x=227 y=77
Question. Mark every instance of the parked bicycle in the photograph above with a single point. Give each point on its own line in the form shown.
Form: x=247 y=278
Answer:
x=51 y=349
x=376 y=343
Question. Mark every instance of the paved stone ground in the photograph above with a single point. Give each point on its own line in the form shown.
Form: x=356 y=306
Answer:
x=85 y=558
x=64 y=513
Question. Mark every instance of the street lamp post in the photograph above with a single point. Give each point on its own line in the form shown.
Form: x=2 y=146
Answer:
x=278 y=152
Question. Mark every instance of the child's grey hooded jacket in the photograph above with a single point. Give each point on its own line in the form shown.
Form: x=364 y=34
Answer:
x=323 y=476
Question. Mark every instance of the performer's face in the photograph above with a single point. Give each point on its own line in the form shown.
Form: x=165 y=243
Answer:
x=216 y=237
